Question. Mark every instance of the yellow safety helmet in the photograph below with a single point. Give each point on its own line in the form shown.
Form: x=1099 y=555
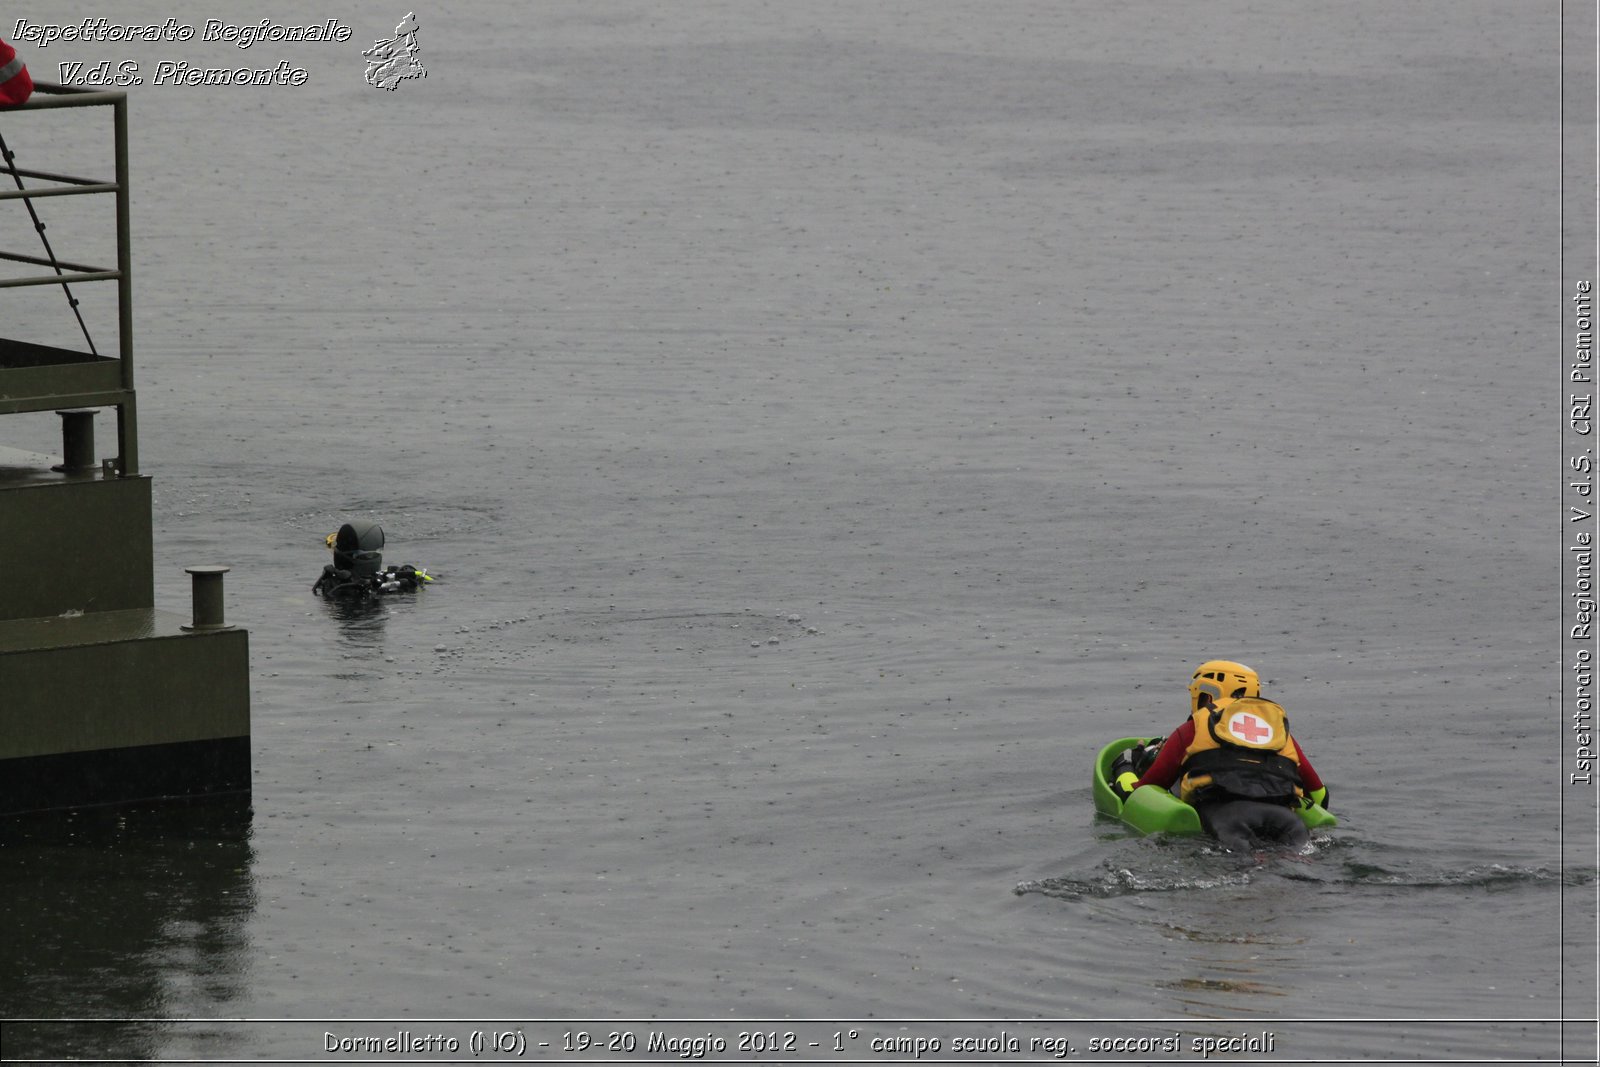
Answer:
x=1222 y=679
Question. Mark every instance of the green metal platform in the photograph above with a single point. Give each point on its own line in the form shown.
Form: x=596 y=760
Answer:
x=103 y=698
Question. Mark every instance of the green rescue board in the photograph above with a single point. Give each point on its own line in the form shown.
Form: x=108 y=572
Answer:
x=1153 y=810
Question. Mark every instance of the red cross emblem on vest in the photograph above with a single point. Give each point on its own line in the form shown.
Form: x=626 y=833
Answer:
x=1250 y=728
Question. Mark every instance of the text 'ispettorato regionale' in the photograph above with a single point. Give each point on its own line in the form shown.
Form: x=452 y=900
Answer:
x=243 y=34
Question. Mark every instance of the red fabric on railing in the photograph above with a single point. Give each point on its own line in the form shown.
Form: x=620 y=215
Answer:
x=15 y=84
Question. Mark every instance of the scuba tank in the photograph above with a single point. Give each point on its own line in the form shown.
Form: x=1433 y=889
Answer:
x=358 y=548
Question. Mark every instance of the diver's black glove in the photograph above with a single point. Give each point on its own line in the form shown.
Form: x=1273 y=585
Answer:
x=1315 y=797
x=1144 y=755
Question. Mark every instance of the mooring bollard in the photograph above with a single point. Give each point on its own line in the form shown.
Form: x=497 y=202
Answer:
x=207 y=582
x=77 y=441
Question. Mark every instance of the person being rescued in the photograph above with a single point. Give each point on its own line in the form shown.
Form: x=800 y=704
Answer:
x=357 y=569
x=1235 y=763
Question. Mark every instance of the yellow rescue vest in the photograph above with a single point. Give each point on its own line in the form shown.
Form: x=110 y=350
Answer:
x=1242 y=746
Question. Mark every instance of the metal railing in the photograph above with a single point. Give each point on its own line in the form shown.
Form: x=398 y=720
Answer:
x=64 y=390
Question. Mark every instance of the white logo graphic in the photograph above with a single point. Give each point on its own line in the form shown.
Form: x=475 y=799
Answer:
x=1246 y=726
x=391 y=62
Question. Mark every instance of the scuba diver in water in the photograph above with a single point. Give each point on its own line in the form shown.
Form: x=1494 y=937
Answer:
x=1235 y=762
x=357 y=569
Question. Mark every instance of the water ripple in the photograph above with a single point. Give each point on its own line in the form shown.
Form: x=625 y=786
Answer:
x=1195 y=864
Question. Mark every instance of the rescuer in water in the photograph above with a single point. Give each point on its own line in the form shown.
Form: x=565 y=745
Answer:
x=1235 y=762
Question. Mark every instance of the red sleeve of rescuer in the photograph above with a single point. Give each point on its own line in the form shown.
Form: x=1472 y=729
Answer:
x=1309 y=778
x=1164 y=771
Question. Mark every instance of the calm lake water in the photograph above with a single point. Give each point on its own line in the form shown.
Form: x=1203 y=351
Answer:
x=831 y=423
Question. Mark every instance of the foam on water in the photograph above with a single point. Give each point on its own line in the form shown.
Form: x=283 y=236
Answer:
x=1342 y=862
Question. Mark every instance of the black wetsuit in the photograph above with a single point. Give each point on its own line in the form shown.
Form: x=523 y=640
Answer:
x=1242 y=825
